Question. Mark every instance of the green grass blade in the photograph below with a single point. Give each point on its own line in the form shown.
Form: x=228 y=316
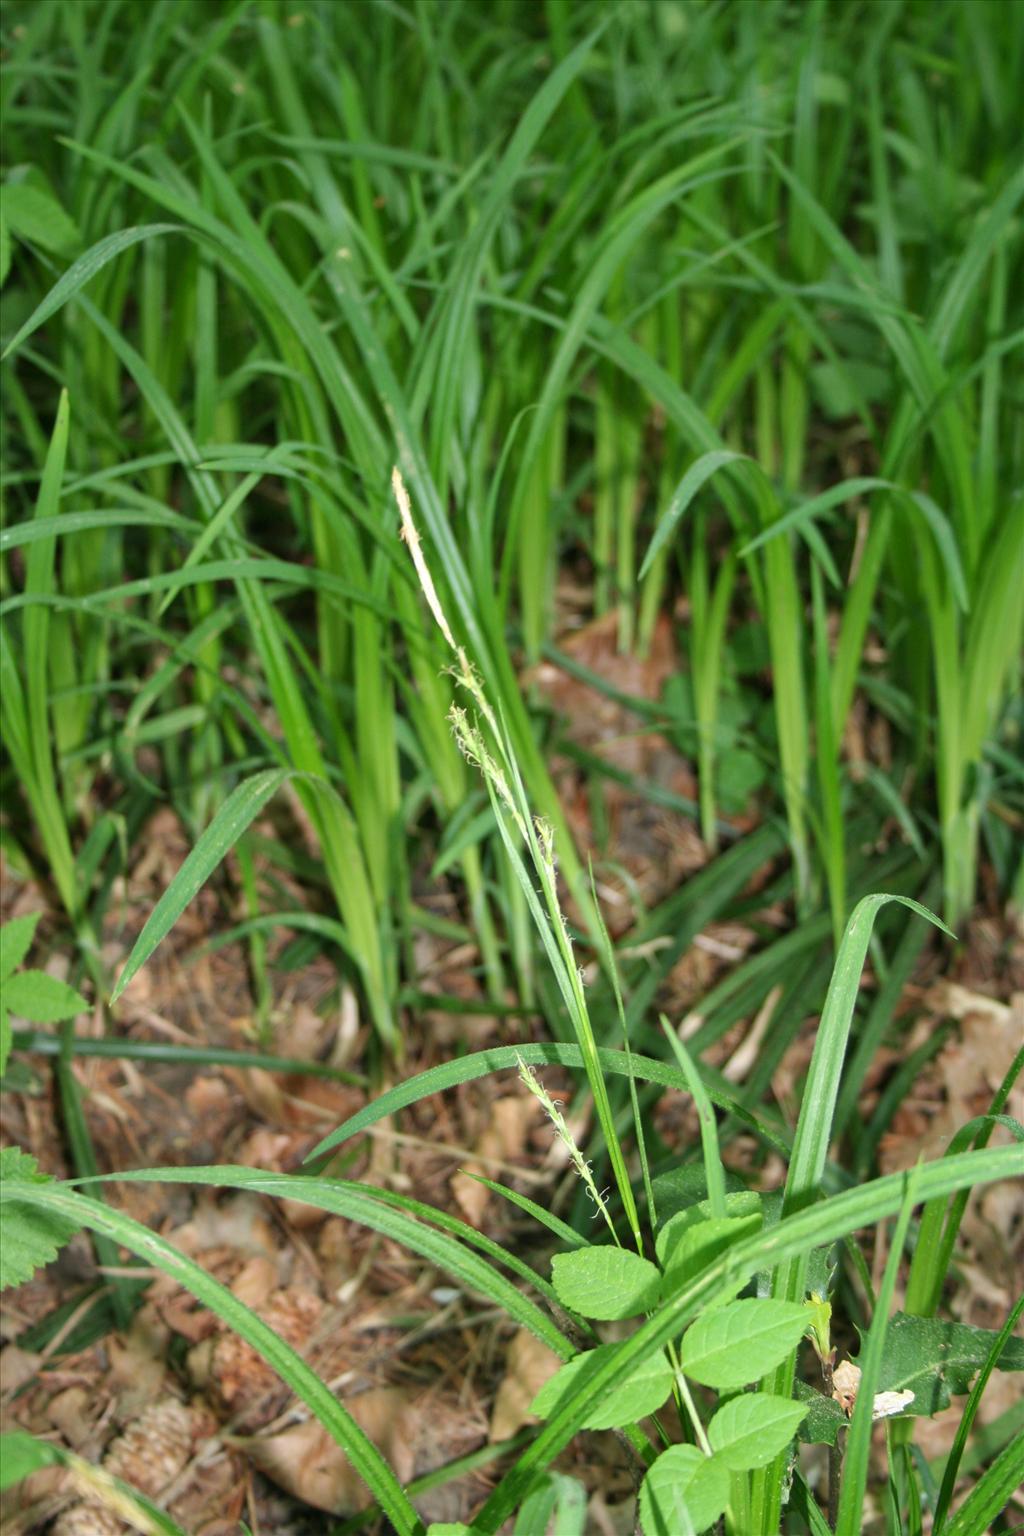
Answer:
x=237 y=812
x=811 y=1142
x=466 y=1069
x=801 y=1231
x=858 y=1445
x=292 y=1369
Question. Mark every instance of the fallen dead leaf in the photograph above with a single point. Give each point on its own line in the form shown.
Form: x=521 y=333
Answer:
x=502 y=1140
x=528 y=1365
x=308 y=1462
x=71 y=1411
x=17 y=1366
x=255 y=1281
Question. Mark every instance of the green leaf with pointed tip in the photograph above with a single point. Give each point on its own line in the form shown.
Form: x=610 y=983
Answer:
x=31 y=1237
x=605 y=1283
x=41 y=998
x=748 y=1431
x=20 y=1454
x=15 y=941
x=643 y=1391
x=239 y=809
x=733 y=1345
x=684 y=1492
x=693 y=1245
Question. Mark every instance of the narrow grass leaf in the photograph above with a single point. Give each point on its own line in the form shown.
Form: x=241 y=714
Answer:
x=64 y=1205
x=237 y=812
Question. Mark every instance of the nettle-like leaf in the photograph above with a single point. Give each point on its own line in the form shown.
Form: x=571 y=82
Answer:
x=750 y=1430
x=41 y=998
x=605 y=1283
x=683 y=1493
x=31 y=1238
x=732 y=1345
x=643 y=1392
x=935 y=1360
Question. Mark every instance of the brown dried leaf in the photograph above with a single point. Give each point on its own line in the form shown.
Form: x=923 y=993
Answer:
x=503 y=1139
x=529 y=1364
x=308 y=1462
x=71 y=1411
x=17 y=1366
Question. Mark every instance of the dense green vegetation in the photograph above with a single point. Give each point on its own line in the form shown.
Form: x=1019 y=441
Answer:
x=704 y=301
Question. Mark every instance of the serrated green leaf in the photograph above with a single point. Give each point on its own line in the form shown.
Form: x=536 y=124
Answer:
x=34 y=215
x=41 y=998
x=605 y=1283
x=18 y=1167
x=694 y=1245
x=748 y=1431
x=671 y=1234
x=15 y=941
x=20 y=1454
x=736 y=1344
x=683 y=1493
x=643 y=1391
x=30 y=1237
x=6 y=1038
x=824 y=1417
x=935 y=1359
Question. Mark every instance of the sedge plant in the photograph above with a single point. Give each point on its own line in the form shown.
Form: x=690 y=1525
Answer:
x=723 y=1285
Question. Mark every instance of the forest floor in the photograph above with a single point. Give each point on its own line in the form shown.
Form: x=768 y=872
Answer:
x=432 y=1373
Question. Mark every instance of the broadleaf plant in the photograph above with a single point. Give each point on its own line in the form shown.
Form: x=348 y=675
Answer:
x=30 y=994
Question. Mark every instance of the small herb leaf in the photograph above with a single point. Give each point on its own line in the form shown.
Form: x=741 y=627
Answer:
x=683 y=1493
x=733 y=1345
x=605 y=1283
x=32 y=1237
x=15 y=940
x=41 y=998
x=748 y=1431
x=643 y=1391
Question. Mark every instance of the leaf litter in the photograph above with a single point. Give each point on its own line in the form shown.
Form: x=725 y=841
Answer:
x=423 y=1370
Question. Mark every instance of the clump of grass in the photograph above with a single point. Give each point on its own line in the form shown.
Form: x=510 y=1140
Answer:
x=749 y=357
